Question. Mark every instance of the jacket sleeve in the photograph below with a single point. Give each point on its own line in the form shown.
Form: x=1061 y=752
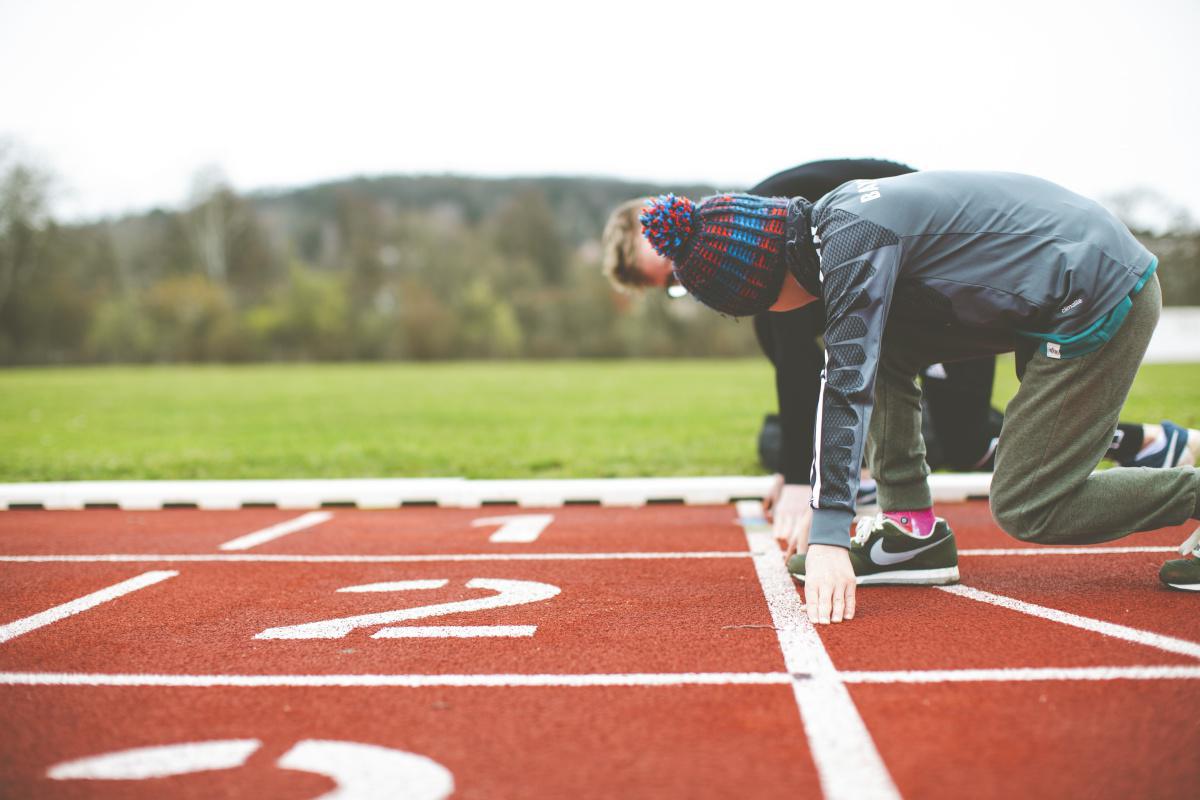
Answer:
x=797 y=358
x=859 y=264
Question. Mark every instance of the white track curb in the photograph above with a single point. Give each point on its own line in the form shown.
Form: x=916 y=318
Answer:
x=397 y=492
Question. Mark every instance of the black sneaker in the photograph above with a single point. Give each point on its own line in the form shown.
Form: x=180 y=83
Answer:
x=1184 y=573
x=884 y=552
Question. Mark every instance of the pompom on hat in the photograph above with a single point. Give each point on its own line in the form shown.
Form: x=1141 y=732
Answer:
x=728 y=249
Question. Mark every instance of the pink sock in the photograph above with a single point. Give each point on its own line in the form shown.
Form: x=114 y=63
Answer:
x=920 y=521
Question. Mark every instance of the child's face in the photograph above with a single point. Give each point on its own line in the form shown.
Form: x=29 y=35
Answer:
x=792 y=295
x=656 y=269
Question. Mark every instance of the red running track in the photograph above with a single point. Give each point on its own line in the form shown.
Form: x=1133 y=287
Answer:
x=658 y=676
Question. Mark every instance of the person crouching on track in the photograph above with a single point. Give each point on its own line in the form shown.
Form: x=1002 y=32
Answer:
x=960 y=426
x=935 y=267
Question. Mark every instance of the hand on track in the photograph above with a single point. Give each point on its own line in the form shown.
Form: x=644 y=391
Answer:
x=772 y=495
x=791 y=516
x=828 y=584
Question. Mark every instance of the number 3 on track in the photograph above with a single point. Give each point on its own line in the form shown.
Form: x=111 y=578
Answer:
x=361 y=771
x=507 y=593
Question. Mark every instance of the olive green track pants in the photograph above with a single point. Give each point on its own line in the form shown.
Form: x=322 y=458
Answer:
x=1056 y=430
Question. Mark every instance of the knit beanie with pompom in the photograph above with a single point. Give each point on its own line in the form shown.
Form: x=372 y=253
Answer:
x=728 y=250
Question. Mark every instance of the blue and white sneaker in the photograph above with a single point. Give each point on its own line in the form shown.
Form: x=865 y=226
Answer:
x=1180 y=449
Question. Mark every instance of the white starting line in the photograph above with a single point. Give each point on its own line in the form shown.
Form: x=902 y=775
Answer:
x=1051 y=550
x=1024 y=674
x=848 y=764
x=401 y=558
x=572 y=680
x=274 y=558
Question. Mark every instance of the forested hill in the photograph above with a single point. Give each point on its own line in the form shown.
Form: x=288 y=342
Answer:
x=398 y=267
x=394 y=267
x=580 y=204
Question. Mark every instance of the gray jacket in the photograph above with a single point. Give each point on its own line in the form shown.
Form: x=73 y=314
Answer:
x=978 y=260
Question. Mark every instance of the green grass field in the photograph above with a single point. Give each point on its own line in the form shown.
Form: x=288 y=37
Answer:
x=477 y=420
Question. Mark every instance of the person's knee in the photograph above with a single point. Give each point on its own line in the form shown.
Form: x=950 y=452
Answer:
x=1015 y=517
x=1007 y=516
x=1019 y=523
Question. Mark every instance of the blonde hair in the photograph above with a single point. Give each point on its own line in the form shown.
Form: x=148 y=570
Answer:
x=619 y=246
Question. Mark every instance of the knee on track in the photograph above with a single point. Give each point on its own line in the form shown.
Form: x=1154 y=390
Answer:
x=1019 y=522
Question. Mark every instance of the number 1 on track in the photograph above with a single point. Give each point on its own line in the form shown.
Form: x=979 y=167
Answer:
x=522 y=528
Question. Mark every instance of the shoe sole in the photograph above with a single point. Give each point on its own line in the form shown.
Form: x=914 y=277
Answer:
x=1187 y=587
x=907 y=577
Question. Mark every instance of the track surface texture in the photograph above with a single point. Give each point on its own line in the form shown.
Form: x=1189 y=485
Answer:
x=579 y=652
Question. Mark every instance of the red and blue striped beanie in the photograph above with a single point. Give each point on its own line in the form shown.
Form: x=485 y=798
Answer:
x=728 y=250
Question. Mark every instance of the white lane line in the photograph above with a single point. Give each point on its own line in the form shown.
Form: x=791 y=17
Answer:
x=1024 y=674
x=277 y=531
x=279 y=558
x=1062 y=551
x=52 y=615
x=848 y=764
x=455 y=631
x=283 y=558
x=1156 y=640
x=408 y=681
x=588 y=680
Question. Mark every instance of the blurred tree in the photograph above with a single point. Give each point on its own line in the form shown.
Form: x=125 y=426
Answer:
x=306 y=318
x=426 y=325
x=120 y=332
x=194 y=319
x=26 y=230
x=1169 y=231
x=228 y=241
x=526 y=228
x=1179 y=265
x=360 y=239
x=487 y=326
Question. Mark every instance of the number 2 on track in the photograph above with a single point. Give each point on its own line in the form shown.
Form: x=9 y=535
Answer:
x=507 y=593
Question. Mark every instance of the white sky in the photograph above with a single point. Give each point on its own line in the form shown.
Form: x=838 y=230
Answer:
x=126 y=100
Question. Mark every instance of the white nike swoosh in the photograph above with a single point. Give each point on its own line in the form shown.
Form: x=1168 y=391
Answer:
x=885 y=559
